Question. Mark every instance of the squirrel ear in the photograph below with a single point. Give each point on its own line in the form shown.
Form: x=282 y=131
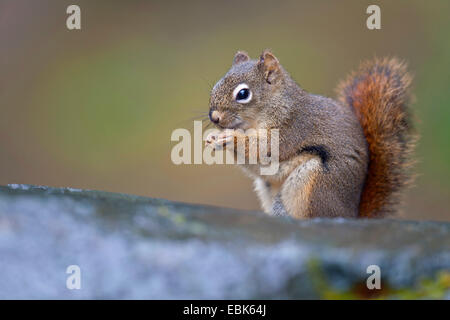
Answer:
x=269 y=65
x=240 y=56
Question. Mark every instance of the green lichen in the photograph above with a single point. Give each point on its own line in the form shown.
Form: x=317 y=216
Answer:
x=428 y=288
x=437 y=287
x=179 y=219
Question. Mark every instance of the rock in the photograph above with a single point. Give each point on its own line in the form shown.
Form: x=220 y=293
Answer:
x=130 y=247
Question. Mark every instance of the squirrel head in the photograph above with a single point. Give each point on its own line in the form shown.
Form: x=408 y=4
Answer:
x=249 y=87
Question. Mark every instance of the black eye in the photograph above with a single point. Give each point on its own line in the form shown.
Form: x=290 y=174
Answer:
x=243 y=94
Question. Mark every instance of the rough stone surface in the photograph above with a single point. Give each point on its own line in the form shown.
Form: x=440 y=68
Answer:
x=131 y=247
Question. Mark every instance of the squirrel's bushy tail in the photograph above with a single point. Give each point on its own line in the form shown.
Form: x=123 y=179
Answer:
x=378 y=92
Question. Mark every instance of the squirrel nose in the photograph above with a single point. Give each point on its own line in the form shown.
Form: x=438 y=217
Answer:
x=214 y=116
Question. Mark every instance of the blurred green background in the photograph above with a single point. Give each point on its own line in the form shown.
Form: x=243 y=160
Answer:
x=95 y=108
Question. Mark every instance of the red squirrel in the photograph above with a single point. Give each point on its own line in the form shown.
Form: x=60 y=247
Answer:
x=337 y=158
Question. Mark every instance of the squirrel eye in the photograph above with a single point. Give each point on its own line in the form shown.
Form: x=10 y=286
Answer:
x=242 y=93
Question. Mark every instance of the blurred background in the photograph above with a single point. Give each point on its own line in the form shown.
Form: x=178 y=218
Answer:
x=95 y=108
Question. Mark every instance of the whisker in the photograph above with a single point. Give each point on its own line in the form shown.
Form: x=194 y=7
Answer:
x=200 y=117
x=200 y=111
x=205 y=125
x=203 y=119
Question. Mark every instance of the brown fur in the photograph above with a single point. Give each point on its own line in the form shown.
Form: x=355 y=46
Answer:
x=335 y=160
x=378 y=92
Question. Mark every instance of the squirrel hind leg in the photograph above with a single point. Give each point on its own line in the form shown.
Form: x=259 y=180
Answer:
x=312 y=190
x=299 y=185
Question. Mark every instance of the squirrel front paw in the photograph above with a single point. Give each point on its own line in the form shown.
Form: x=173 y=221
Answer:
x=219 y=140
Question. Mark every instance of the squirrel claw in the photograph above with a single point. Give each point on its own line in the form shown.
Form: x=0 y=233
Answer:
x=218 y=141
